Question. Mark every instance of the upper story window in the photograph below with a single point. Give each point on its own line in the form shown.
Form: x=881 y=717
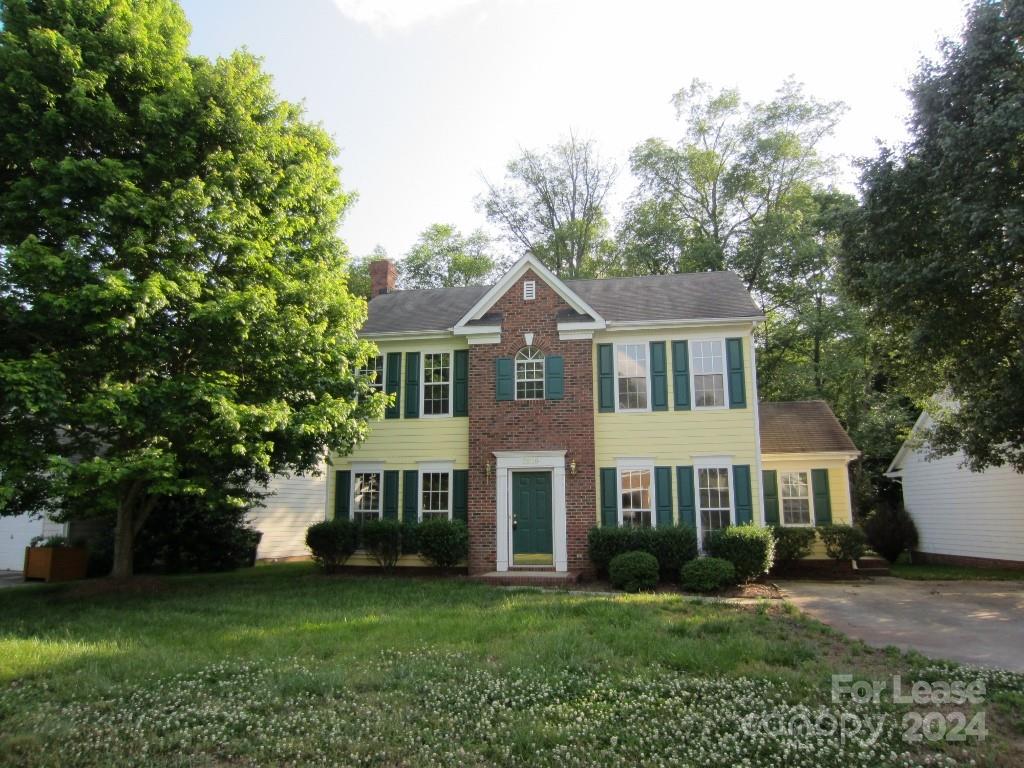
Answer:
x=635 y=505
x=631 y=377
x=530 y=374
x=374 y=369
x=435 y=495
x=437 y=377
x=366 y=496
x=708 y=363
x=713 y=499
x=796 y=498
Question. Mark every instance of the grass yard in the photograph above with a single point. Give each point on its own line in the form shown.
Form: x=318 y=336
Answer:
x=954 y=573
x=282 y=666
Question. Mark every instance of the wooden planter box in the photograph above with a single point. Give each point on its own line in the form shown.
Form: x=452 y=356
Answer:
x=55 y=563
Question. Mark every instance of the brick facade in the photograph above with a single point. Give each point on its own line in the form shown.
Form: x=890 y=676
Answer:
x=531 y=425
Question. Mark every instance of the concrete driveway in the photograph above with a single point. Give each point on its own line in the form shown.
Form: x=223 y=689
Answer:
x=973 y=622
x=11 y=579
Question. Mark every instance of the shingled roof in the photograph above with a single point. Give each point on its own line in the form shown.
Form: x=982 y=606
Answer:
x=687 y=296
x=806 y=426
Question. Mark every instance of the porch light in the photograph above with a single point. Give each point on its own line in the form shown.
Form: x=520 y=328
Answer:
x=488 y=469
x=572 y=467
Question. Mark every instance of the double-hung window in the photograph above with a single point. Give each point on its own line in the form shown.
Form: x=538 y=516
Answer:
x=636 y=505
x=632 y=378
x=530 y=374
x=366 y=496
x=437 y=378
x=435 y=494
x=374 y=370
x=796 y=498
x=708 y=363
x=713 y=499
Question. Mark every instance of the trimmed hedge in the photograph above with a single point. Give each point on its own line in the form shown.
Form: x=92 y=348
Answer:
x=445 y=543
x=633 y=571
x=843 y=542
x=750 y=548
x=383 y=540
x=890 y=530
x=671 y=546
x=792 y=544
x=708 y=574
x=331 y=542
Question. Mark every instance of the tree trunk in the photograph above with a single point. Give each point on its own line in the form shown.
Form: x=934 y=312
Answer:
x=124 y=543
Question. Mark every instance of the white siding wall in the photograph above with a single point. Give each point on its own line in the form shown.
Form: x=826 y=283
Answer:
x=297 y=502
x=959 y=512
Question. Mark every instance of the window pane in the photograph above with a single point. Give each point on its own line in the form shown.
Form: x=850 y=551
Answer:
x=366 y=496
x=631 y=370
x=796 y=499
x=530 y=374
x=713 y=494
x=374 y=369
x=436 y=383
x=636 y=497
x=708 y=374
x=435 y=496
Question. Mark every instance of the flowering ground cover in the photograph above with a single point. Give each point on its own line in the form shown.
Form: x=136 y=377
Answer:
x=282 y=666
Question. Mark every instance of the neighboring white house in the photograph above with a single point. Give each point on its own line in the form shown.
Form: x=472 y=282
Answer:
x=295 y=504
x=962 y=517
x=15 y=534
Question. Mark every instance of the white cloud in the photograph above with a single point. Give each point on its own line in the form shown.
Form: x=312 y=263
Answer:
x=384 y=15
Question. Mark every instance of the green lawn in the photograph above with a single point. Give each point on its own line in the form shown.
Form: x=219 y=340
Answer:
x=954 y=573
x=282 y=666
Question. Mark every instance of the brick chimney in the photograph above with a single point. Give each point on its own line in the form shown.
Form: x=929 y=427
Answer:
x=382 y=277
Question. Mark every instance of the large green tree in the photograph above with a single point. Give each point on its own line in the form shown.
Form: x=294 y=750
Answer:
x=443 y=257
x=937 y=252
x=552 y=205
x=174 y=317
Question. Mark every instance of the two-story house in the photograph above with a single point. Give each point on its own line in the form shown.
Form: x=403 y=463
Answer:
x=537 y=408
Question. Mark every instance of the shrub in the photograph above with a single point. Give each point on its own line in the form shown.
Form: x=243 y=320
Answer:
x=750 y=548
x=383 y=540
x=633 y=571
x=843 y=542
x=673 y=547
x=410 y=537
x=708 y=574
x=444 y=543
x=792 y=544
x=331 y=542
x=50 y=541
x=890 y=531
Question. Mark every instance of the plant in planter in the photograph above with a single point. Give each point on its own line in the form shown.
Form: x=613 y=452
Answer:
x=54 y=558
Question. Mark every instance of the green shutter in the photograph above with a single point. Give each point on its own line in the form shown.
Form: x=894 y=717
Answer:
x=605 y=378
x=504 y=379
x=770 y=483
x=741 y=492
x=822 y=497
x=734 y=363
x=390 y=501
x=393 y=385
x=681 y=375
x=412 y=385
x=410 y=497
x=659 y=378
x=663 y=495
x=609 y=497
x=342 y=493
x=687 y=503
x=460 y=404
x=460 y=495
x=554 y=377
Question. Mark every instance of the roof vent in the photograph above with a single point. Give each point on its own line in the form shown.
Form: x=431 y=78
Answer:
x=529 y=290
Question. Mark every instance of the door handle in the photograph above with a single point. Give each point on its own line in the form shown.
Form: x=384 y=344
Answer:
x=515 y=521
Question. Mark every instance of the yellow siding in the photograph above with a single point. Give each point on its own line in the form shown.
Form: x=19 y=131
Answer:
x=838 y=484
x=674 y=438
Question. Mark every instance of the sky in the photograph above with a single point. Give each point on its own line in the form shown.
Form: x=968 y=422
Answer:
x=426 y=98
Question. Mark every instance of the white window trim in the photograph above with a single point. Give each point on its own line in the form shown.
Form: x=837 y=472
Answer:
x=810 y=497
x=543 y=375
x=693 y=374
x=376 y=468
x=428 y=467
x=712 y=462
x=451 y=382
x=646 y=343
x=629 y=464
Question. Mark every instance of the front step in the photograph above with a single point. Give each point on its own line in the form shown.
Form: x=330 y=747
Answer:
x=529 y=577
x=871 y=566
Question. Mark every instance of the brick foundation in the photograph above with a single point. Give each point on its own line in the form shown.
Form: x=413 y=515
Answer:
x=931 y=558
x=531 y=425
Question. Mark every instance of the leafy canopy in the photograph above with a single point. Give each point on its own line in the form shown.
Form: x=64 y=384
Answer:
x=445 y=258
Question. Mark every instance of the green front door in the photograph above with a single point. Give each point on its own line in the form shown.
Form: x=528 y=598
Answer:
x=531 y=518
